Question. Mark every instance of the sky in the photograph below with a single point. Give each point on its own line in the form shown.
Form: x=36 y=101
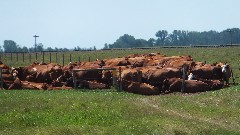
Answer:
x=88 y=23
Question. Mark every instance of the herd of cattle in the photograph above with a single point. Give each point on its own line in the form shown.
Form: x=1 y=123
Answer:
x=148 y=74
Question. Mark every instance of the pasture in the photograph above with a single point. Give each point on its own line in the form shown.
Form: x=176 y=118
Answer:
x=111 y=112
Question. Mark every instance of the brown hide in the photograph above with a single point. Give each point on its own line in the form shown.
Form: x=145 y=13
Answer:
x=132 y=75
x=137 y=61
x=92 y=85
x=207 y=72
x=159 y=75
x=33 y=85
x=89 y=75
x=191 y=86
x=117 y=62
x=40 y=73
x=214 y=84
x=15 y=85
x=142 y=88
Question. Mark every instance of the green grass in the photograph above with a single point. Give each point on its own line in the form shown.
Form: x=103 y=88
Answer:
x=109 y=112
x=95 y=112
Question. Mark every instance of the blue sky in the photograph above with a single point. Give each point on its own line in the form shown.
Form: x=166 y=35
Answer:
x=87 y=23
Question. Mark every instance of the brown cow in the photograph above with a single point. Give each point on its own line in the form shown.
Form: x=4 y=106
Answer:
x=132 y=75
x=191 y=86
x=141 y=88
x=207 y=71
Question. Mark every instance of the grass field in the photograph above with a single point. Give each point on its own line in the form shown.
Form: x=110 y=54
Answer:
x=97 y=112
x=110 y=112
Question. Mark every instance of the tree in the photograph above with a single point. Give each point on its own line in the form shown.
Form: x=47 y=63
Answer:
x=50 y=49
x=162 y=35
x=125 y=41
x=24 y=49
x=105 y=46
x=151 y=42
x=10 y=46
x=39 y=47
x=94 y=48
x=1 y=50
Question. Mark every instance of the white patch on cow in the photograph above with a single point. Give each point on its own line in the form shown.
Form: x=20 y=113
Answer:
x=190 y=76
x=14 y=74
x=34 y=69
x=224 y=68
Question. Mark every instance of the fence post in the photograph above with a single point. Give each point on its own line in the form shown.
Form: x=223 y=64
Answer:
x=43 y=53
x=1 y=78
x=11 y=57
x=120 y=79
x=89 y=59
x=50 y=55
x=56 y=57
x=36 y=55
x=63 y=59
x=23 y=56
x=79 y=59
x=17 y=56
x=70 y=57
x=183 y=78
x=30 y=58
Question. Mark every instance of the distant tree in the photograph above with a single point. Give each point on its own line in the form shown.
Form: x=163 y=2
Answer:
x=50 y=49
x=39 y=47
x=151 y=42
x=10 y=46
x=65 y=49
x=24 y=49
x=125 y=41
x=105 y=46
x=31 y=49
x=1 y=50
x=94 y=48
x=162 y=35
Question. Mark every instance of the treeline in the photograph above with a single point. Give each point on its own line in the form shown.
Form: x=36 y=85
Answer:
x=12 y=46
x=179 y=38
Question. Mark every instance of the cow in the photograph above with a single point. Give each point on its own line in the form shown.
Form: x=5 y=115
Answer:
x=191 y=86
x=131 y=75
x=226 y=73
x=140 y=88
x=207 y=71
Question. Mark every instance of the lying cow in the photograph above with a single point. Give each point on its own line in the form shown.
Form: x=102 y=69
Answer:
x=191 y=86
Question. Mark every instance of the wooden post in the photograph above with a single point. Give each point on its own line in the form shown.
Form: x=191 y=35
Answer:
x=56 y=57
x=63 y=59
x=183 y=78
x=89 y=59
x=50 y=55
x=79 y=60
x=11 y=57
x=70 y=57
x=1 y=78
x=43 y=55
x=30 y=58
x=120 y=79
x=17 y=56
x=36 y=55
x=23 y=56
